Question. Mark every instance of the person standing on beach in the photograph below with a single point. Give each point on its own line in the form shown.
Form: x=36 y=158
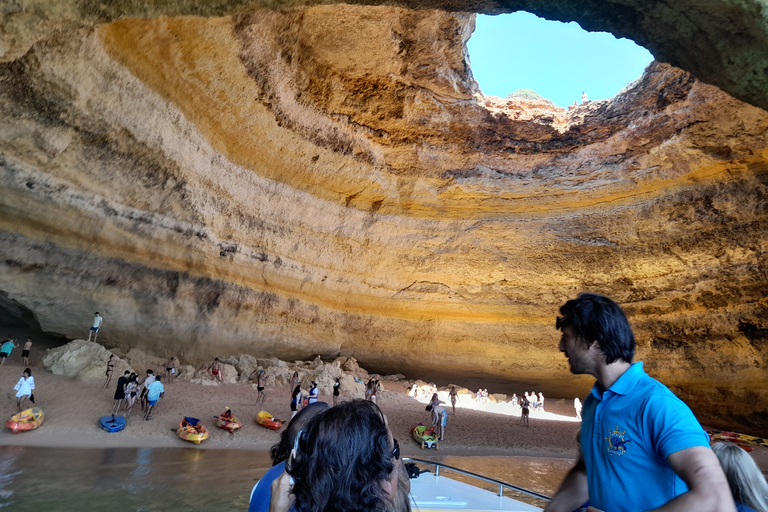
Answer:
x=260 y=385
x=541 y=401
x=97 y=320
x=641 y=446
x=24 y=388
x=170 y=369
x=439 y=418
x=108 y=373
x=312 y=394
x=149 y=379
x=524 y=414
x=295 y=401
x=453 y=398
x=6 y=348
x=122 y=382
x=25 y=352
x=336 y=387
x=577 y=406
x=131 y=391
x=154 y=393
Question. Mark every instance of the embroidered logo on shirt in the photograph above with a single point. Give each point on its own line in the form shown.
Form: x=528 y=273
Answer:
x=616 y=442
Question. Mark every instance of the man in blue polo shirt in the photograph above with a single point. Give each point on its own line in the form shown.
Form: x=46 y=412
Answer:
x=642 y=448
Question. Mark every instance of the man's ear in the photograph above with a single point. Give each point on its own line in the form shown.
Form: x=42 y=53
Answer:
x=387 y=487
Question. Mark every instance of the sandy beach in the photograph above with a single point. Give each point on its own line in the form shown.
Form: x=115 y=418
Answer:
x=72 y=410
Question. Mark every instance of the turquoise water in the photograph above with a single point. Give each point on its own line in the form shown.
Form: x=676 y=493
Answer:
x=183 y=479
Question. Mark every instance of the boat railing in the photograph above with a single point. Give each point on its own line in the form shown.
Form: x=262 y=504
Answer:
x=500 y=485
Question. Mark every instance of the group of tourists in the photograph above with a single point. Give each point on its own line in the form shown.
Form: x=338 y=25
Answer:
x=131 y=387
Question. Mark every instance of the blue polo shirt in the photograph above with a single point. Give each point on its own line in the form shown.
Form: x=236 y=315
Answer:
x=627 y=433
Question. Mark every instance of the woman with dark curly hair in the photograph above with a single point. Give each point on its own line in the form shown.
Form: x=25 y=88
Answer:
x=344 y=460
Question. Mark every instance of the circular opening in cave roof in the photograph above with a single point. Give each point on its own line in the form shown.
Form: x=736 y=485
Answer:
x=522 y=55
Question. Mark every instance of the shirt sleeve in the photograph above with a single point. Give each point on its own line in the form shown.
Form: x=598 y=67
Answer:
x=673 y=426
x=31 y=383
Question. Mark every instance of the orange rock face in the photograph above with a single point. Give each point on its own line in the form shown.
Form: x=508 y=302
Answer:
x=330 y=180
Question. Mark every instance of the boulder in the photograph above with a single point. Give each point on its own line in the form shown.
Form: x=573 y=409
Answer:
x=245 y=364
x=139 y=359
x=83 y=360
x=498 y=397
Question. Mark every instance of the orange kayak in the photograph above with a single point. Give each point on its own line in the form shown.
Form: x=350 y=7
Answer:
x=267 y=420
x=28 y=419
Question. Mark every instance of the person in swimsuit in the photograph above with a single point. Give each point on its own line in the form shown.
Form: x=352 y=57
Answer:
x=108 y=374
x=295 y=401
x=336 y=387
x=170 y=369
x=453 y=398
x=260 y=384
x=216 y=370
x=295 y=381
x=25 y=352
x=524 y=416
x=122 y=382
x=131 y=392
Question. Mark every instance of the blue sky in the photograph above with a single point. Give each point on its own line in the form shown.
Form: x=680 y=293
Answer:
x=557 y=60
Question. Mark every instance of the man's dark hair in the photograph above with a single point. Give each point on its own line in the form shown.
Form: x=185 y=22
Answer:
x=342 y=456
x=598 y=318
x=282 y=450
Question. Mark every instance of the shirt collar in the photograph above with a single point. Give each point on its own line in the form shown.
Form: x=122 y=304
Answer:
x=623 y=384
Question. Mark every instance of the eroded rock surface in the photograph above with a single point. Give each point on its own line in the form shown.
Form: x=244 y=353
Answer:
x=329 y=180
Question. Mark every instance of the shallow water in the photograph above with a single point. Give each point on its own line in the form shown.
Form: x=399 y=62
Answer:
x=176 y=479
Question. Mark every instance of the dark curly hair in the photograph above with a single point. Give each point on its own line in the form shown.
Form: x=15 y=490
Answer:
x=280 y=451
x=342 y=455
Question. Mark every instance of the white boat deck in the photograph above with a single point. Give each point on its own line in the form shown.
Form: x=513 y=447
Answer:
x=432 y=493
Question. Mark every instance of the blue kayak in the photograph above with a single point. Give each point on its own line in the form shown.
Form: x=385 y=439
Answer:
x=112 y=423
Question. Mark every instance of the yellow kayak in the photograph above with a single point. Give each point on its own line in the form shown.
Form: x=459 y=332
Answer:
x=194 y=434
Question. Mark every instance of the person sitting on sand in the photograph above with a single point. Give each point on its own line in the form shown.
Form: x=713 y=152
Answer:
x=122 y=382
x=25 y=352
x=279 y=453
x=226 y=415
x=747 y=483
x=154 y=393
x=170 y=369
x=24 y=388
x=439 y=418
x=5 y=349
x=215 y=368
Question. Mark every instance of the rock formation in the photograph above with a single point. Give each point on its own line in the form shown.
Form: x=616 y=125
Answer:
x=329 y=180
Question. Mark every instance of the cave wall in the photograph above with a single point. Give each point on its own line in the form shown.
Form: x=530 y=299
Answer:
x=329 y=180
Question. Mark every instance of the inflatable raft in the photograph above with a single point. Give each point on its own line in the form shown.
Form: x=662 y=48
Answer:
x=112 y=423
x=28 y=419
x=425 y=436
x=190 y=429
x=229 y=425
x=267 y=420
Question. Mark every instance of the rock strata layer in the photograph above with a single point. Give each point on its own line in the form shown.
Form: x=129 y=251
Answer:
x=330 y=180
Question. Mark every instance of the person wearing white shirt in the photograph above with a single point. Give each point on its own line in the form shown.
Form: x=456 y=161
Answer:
x=24 y=388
